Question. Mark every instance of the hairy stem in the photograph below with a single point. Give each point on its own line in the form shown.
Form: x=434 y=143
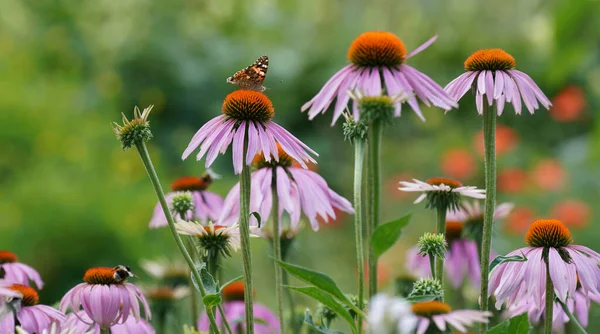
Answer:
x=359 y=152
x=277 y=252
x=489 y=140
x=244 y=225
x=374 y=156
x=439 y=260
x=145 y=156
x=549 y=301
x=572 y=320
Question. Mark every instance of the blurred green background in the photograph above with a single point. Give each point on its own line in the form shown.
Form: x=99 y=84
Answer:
x=70 y=198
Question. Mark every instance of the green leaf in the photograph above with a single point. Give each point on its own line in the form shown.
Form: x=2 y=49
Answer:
x=515 y=325
x=502 y=259
x=257 y=216
x=423 y=298
x=326 y=300
x=319 y=280
x=232 y=281
x=386 y=235
x=320 y=329
x=212 y=296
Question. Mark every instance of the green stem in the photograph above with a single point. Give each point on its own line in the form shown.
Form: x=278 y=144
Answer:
x=549 y=301
x=277 y=252
x=104 y=330
x=359 y=153
x=376 y=131
x=244 y=226
x=439 y=260
x=213 y=269
x=489 y=140
x=432 y=265
x=291 y=303
x=573 y=320
x=145 y=156
x=193 y=292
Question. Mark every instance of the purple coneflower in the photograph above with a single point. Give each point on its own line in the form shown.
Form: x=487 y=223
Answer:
x=246 y=113
x=206 y=205
x=578 y=305
x=106 y=297
x=81 y=322
x=233 y=305
x=550 y=249
x=440 y=317
x=498 y=81
x=378 y=57
x=440 y=190
x=17 y=272
x=299 y=191
x=32 y=317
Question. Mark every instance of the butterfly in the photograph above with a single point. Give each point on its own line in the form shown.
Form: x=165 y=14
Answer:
x=252 y=76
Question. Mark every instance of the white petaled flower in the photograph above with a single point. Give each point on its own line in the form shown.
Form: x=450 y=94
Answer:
x=222 y=239
x=164 y=268
x=390 y=315
x=441 y=192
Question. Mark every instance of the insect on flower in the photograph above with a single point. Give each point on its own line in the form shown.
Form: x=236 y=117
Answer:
x=252 y=77
x=122 y=273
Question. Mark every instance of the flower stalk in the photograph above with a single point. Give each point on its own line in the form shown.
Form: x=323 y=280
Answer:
x=439 y=260
x=489 y=140
x=549 y=301
x=244 y=226
x=572 y=319
x=277 y=253
x=359 y=152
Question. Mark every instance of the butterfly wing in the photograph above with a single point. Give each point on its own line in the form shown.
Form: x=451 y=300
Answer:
x=252 y=76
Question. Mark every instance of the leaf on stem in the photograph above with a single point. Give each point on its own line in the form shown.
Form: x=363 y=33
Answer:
x=386 y=235
x=319 y=328
x=515 y=325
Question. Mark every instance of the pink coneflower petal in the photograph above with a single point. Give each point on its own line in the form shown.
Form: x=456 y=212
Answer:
x=422 y=47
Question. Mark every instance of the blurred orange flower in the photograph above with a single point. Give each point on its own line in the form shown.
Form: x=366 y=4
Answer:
x=506 y=140
x=549 y=174
x=519 y=219
x=568 y=105
x=511 y=180
x=458 y=163
x=572 y=212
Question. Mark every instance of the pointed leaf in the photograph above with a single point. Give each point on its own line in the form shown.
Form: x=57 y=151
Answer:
x=232 y=281
x=258 y=217
x=327 y=300
x=502 y=259
x=320 y=329
x=386 y=235
x=212 y=295
x=515 y=325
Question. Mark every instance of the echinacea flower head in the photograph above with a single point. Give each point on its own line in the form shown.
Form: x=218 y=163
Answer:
x=80 y=322
x=427 y=287
x=233 y=305
x=7 y=295
x=246 y=124
x=219 y=239
x=106 y=297
x=438 y=316
x=441 y=192
x=491 y=72
x=56 y=329
x=31 y=316
x=390 y=315
x=550 y=244
x=379 y=58
x=17 y=272
x=300 y=191
x=134 y=131
x=205 y=205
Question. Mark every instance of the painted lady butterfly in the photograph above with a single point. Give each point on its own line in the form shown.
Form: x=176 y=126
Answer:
x=252 y=76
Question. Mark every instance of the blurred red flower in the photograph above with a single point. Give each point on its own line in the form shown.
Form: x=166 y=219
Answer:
x=568 y=105
x=458 y=163
x=506 y=140
x=549 y=174
x=572 y=212
x=511 y=180
x=519 y=219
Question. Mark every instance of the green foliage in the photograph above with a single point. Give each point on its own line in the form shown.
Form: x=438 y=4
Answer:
x=515 y=325
x=386 y=235
x=213 y=292
x=503 y=259
x=308 y=320
x=327 y=300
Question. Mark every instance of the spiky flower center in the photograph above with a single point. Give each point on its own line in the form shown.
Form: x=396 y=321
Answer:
x=377 y=48
x=233 y=291
x=101 y=275
x=30 y=296
x=7 y=257
x=427 y=286
x=214 y=241
x=191 y=183
x=491 y=60
x=284 y=159
x=428 y=309
x=248 y=105
x=437 y=181
x=454 y=231
x=548 y=233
